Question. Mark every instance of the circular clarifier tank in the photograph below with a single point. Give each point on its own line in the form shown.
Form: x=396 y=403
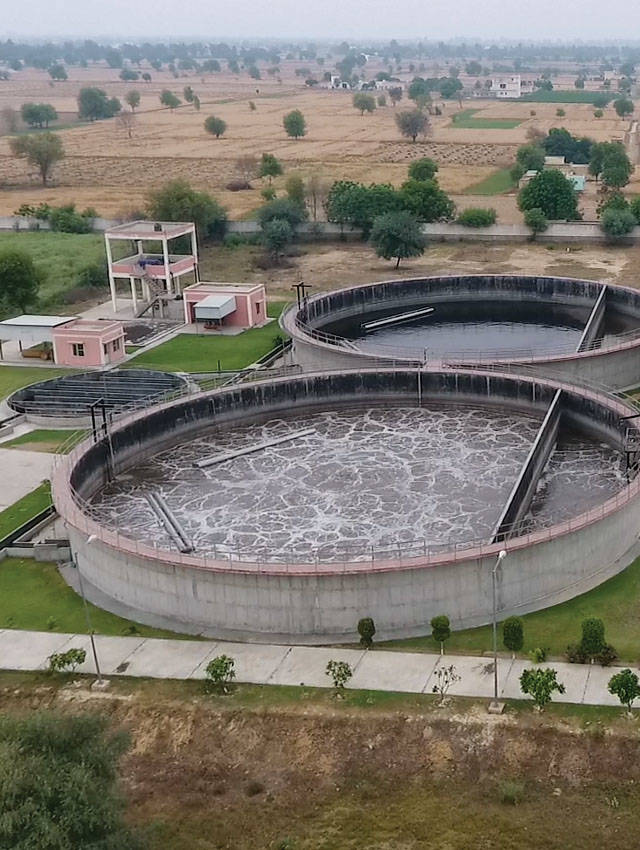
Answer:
x=288 y=509
x=579 y=328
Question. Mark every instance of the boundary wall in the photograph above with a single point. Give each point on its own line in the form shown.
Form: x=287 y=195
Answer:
x=322 y=602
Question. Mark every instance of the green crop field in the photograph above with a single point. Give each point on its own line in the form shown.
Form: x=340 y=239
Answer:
x=495 y=184
x=563 y=96
x=467 y=120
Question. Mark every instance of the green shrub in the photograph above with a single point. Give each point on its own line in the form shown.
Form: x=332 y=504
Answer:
x=477 y=217
x=617 y=223
x=540 y=683
x=64 y=661
x=424 y=168
x=340 y=673
x=220 y=672
x=366 y=630
x=511 y=792
x=282 y=209
x=67 y=219
x=575 y=654
x=625 y=686
x=536 y=220
x=94 y=275
x=593 y=640
x=513 y=634
x=538 y=655
x=440 y=630
x=606 y=656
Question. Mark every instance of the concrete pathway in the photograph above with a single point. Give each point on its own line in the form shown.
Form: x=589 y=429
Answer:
x=22 y=472
x=266 y=664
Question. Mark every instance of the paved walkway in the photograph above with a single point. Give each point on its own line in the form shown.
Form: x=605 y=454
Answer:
x=22 y=472
x=411 y=672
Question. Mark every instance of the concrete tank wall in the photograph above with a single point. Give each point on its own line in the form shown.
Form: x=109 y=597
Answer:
x=617 y=367
x=322 y=603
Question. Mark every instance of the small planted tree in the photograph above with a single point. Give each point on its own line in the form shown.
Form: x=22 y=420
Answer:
x=593 y=641
x=132 y=98
x=397 y=235
x=364 y=102
x=215 y=126
x=445 y=677
x=277 y=233
x=366 y=630
x=440 y=630
x=294 y=124
x=270 y=167
x=340 y=672
x=625 y=686
x=536 y=221
x=513 y=634
x=220 y=672
x=424 y=168
x=540 y=684
x=412 y=123
x=62 y=662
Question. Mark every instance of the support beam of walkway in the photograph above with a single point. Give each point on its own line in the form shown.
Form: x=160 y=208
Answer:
x=257 y=447
x=524 y=489
x=169 y=522
x=594 y=322
x=396 y=320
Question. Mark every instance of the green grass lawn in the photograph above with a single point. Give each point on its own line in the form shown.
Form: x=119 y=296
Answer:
x=33 y=595
x=564 y=96
x=495 y=184
x=200 y=353
x=60 y=256
x=45 y=440
x=25 y=508
x=467 y=120
x=616 y=602
x=14 y=377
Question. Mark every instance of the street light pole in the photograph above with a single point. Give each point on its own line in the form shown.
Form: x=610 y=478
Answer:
x=501 y=556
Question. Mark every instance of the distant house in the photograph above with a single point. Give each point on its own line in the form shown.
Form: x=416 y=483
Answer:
x=336 y=82
x=510 y=86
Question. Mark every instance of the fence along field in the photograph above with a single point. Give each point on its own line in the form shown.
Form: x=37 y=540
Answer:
x=105 y=169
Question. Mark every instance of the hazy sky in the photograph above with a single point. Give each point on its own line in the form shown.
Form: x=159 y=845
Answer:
x=383 y=19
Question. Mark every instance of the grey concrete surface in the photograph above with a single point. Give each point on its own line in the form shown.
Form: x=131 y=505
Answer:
x=381 y=670
x=22 y=472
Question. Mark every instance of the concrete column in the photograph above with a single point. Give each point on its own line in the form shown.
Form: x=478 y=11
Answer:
x=134 y=294
x=167 y=273
x=112 y=281
x=194 y=251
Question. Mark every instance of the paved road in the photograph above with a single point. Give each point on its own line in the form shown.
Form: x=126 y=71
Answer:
x=381 y=670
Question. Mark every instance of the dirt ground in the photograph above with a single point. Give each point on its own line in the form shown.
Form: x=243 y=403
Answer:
x=107 y=170
x=294 y=769
x=333 y=265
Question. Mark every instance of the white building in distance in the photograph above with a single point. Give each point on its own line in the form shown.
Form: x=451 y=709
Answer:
x=510 y=86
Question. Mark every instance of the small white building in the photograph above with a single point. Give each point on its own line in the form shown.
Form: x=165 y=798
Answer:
x=510 y=86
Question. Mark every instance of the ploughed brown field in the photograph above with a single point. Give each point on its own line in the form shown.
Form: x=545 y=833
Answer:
x=111 y=172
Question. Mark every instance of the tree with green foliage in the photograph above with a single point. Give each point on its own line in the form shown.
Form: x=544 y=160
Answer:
x=366 y=630
x=129 y=75
x=560 y=142
x=358 y=205
x=132 y=99
x=617 y=223
x=593 y=640
x=513 y=634
x=536 y=221
x=294 y=187
x=528 y=158
x=623 y=106
x=423 y=169
x=215 y=126
x=625 y=686
x=270 y=167
x=169 y=99
x=600 y=100
x=178 y=201
x=38 y=114
x=579 y=83
x=418 y=88
x=294 y=124
x=397 y=235
x=412 y=123
x=427 y=201
x=449 y=87
x=277 y=233
x=473 y=68
x=93 y=104
x=364 y=102
x=63 y=662
x=395 y=94
x=551 y=192
x=41 y=151
x=282 y=209
x=440 y=630
x=66 y=219
x=188 y=94
x=20 y=281
x=609 y=162
x=254 y=72
x=540 y=683
x=59 y=783
x=58 y=72
x=340 y=673
x=634 y=206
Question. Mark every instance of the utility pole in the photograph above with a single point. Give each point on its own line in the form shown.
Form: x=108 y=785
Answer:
x=495 y=706
x=301 y=293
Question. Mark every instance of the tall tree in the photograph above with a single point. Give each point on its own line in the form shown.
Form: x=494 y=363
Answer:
x=215 y=126
x=294 y=124
x=42 y=151
x=133 y=99
x=412 y=123
x=364 y=102
x=169 y=99
x=178 y=201
x=93 y=104
x=427 y=201
x=551 y=192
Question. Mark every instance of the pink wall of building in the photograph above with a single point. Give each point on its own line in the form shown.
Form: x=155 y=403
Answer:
x=251 y=303
x=85 y=343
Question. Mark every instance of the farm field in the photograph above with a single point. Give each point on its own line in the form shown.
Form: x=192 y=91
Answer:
x=105 y=169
